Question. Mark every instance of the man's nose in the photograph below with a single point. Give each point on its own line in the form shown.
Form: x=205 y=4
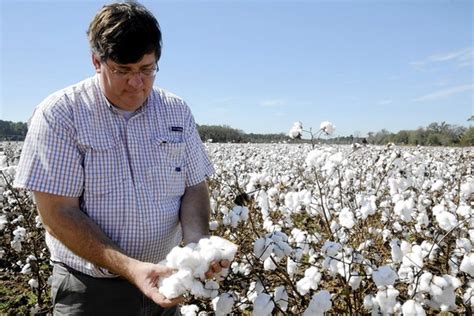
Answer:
x=136 y=80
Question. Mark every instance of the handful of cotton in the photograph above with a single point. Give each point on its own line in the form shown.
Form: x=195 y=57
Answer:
x=192 y=262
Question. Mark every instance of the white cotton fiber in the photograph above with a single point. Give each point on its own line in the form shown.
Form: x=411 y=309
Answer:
x=412 y=308
x=384 y=276
x=192 y=262
x=320 y=303
x=223 y=304
x=467 y=264
x=189 y=310
x=311 y=280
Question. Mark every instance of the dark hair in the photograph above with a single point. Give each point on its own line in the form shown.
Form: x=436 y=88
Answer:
x=124 y=32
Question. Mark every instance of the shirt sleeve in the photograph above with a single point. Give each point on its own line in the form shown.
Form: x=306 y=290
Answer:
x=198 y=164
x=50 y=161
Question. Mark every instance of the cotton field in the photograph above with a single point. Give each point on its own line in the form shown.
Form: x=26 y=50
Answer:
x=320 y=230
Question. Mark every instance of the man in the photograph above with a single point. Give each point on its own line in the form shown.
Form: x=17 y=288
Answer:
x=118 y=174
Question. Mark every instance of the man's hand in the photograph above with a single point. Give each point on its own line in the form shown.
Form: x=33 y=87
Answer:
x=146 y=275
x=216 y=267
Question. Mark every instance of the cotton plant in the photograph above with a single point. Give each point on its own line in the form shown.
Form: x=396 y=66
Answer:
x=296 y=132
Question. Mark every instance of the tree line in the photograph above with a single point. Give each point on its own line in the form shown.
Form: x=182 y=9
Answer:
x=12 y=130
x=435 y=134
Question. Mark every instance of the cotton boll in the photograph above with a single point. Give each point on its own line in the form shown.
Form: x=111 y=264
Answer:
x=396 y=251
x=463 y=210
x=404 y=209
x=414 y=258
x=354 y=281
x=291 y=267
x=422 y=221
x=311 y=280
x=443 y=292
x=268 y=264
x=3 y=221
x=467 y=264
x=405 y=247
x=468 y=297
x=26 y=269
x=296 y=130
x=467 y=188
x=346 y=218
x=384 y=276
x=223 y=304
x=425 y=281
x=33 y=283
x=327 y=127
x=437 y=186
x=319 y=304
x=369 y=302
x=412 y=308
x=189 y=310
x=263 y=305
x=387 y=300
x=446 y=220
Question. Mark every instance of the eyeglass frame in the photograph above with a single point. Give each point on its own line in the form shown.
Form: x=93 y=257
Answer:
x=128 y=74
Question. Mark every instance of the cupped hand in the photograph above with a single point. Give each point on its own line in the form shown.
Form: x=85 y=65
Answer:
x=146 y=276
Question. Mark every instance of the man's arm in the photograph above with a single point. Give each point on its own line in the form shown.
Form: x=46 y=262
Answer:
x=194 y=215
x=195 y=212
x=63 y=219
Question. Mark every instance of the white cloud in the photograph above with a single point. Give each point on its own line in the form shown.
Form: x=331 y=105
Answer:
x=462 y=58
x=273 y=103
x=384 y=102
x=445 y=93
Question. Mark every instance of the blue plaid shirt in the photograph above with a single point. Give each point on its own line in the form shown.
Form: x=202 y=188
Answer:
x=129 y=174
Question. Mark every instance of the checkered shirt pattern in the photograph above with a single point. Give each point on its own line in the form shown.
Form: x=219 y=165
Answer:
x=128 y=174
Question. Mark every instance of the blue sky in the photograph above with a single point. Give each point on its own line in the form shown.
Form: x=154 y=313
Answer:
x=261 y=65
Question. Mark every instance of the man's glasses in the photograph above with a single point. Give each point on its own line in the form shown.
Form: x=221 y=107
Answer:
x=128 y=74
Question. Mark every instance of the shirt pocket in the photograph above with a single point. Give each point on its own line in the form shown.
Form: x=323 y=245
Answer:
x=166 y=176
x=102 y=168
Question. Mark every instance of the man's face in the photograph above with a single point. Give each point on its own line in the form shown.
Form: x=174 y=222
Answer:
x=126 y=86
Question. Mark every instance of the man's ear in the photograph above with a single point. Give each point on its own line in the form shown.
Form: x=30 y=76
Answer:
x=96 y=62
